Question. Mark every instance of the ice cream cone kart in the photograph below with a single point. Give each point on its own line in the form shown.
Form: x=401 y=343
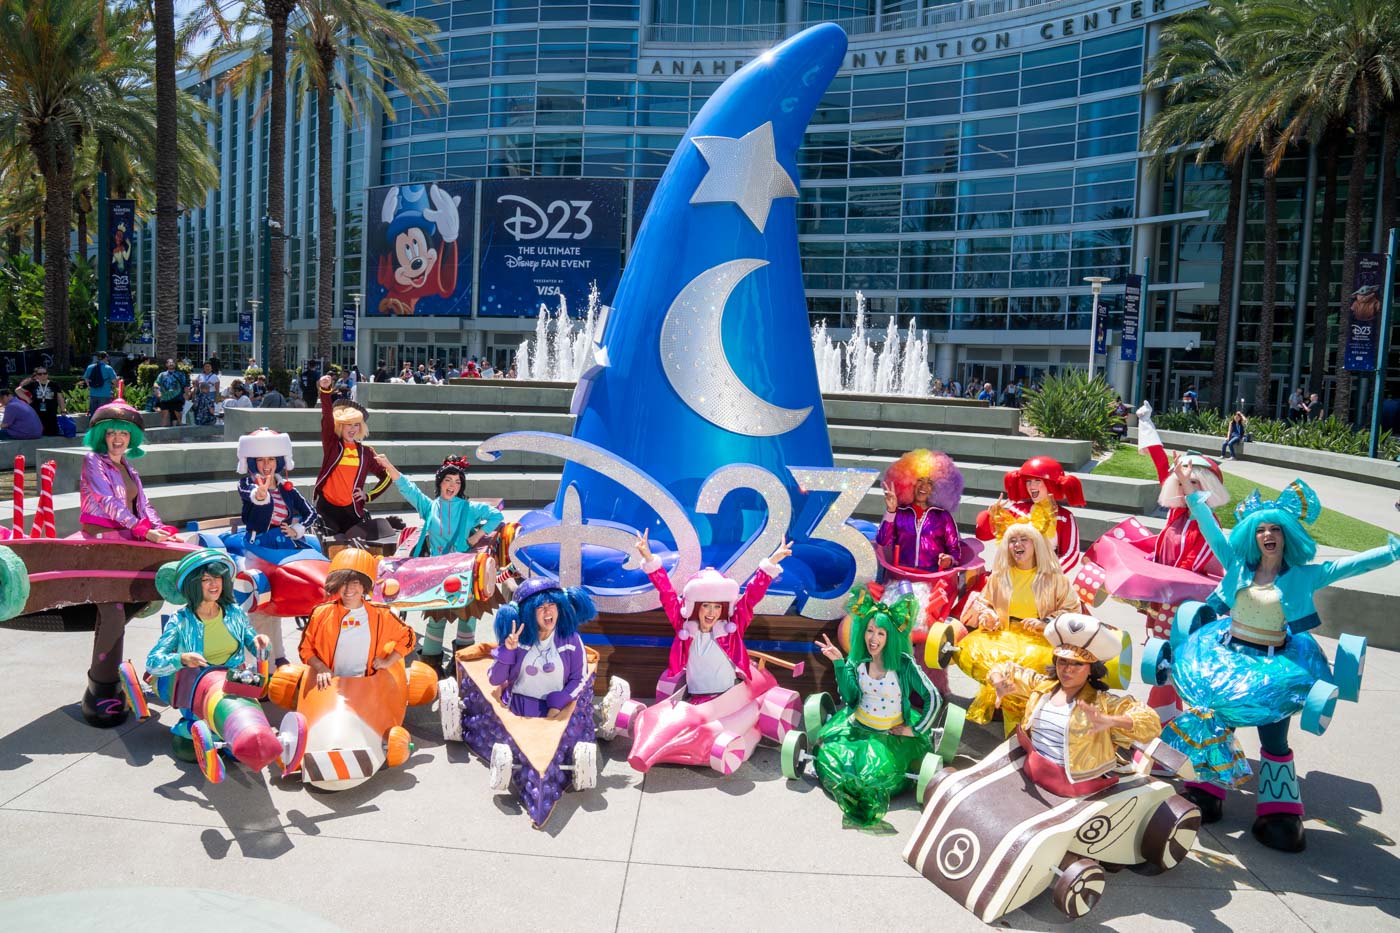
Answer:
x=539 y=758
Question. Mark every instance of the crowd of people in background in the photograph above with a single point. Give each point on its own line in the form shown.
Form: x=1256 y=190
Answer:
x=1009 y=397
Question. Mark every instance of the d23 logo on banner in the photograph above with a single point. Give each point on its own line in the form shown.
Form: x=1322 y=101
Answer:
x=561 y=220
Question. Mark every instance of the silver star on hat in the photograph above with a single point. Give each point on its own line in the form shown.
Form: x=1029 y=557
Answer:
x=745 y=172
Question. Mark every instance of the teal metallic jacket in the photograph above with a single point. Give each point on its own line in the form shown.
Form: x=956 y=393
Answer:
x=448 y=523
x=912 y=681
x=185 y=633
x=1296 y=585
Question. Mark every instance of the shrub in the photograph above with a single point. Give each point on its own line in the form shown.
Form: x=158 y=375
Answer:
x=1070 y=406
x=281 y=380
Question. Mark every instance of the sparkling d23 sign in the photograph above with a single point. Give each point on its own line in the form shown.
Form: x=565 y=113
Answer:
x=572 y=532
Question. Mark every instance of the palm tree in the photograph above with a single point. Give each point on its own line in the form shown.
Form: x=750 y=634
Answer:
x=167 y=179
x=1197 y=71
x=61 y=65
x=357 y=48
x=247 y=77
x=1343 y=64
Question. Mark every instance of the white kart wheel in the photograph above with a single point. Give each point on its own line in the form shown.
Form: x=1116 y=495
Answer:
x=450 y=710
x=502 y=764
x=1078 y=888
x=619 y=692
x=585 y=766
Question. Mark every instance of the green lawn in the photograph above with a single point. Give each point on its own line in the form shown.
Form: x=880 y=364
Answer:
x=1333 y=529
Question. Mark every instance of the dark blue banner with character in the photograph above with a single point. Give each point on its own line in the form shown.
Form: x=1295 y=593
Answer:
x=420 y=249
x=542 y=238
x=121 y=224
x=1360 y=355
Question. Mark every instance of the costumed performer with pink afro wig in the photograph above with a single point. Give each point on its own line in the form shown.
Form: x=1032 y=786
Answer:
x=922 y=491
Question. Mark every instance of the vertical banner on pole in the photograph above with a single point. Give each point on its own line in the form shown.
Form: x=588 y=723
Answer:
x=1360 y=353
x=347 y=324
x=1101 y=330
x=245 y=327
x=145 y=336
x=197 y=331
x=1132 y=316
x=121 y=225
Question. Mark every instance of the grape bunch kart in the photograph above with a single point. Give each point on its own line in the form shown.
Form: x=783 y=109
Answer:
x=992 y=839
x=354 y=726
x=539 y=758
x=722 y=732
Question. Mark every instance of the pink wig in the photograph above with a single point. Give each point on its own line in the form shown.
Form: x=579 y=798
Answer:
x=938 y=467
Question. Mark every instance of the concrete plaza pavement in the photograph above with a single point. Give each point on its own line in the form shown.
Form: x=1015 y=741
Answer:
x=93 y=821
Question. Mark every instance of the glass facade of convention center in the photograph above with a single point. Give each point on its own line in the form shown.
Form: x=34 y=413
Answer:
x=971 y=163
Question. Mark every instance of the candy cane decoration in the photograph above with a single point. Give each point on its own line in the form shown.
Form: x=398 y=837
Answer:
x=19 y=496
x=43 y=516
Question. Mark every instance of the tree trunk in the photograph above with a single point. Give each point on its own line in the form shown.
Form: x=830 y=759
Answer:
x=325 y=216
x=1263 y=404
x=1390 y=139
x=278 y=12
x=167 y=182
x=55 y=161
x=1322 y=299
x=1219 y=391
x=1351 y=245
x=38 y=237
x=82 y=234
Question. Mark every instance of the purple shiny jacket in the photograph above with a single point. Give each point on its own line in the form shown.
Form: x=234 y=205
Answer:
x=507 y=663
x=918 y=543
x=103 y=496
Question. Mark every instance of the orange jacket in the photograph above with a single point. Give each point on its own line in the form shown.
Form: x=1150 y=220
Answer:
x=323 y=633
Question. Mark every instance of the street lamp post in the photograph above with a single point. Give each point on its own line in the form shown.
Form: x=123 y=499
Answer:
x=1096 y=282
x=357 y=298
x=204 y=316
x=258 y=357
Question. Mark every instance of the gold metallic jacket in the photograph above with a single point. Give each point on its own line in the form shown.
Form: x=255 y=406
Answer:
x=1090 y=754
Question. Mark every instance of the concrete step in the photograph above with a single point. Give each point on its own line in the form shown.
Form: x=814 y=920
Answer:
x=305 y=423
x=932 y=414
x=181 y=502
x=1378 y=472
x=1012 y=450
x=1134 y=496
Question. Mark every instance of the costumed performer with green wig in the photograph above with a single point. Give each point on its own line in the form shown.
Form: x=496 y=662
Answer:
x=863 y=754
x=209 y=630
x=114 y=505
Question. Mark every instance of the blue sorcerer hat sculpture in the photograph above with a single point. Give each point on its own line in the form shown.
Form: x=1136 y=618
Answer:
x=704 y=364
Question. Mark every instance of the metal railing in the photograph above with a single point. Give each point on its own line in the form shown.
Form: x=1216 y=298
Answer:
x=963 y=11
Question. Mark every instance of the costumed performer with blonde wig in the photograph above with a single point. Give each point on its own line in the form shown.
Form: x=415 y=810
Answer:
x=1026 y=589
x=1073 y=726
x=1257 y=666
x=865 y=752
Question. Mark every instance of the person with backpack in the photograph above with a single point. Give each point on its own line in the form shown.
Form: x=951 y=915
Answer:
x=101 y=379
x=172 y=390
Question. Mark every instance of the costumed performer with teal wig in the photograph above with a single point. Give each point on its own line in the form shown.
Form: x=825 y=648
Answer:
x=1256 y=665
x=209 y=630
x=864 y=752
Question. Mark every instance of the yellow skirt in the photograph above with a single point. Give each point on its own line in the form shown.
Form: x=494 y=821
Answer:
x=981 y=650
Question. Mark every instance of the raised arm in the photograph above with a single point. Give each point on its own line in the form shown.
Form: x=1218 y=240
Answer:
x=757 y=587
x=651 y=566
x=1215 y=537
x=1365 y=562
x=414 y=497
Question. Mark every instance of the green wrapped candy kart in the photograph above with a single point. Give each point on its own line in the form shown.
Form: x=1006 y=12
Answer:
x=893 y=728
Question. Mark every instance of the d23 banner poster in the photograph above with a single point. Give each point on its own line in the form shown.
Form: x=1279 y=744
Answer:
x=542 y=238
x=1132 y=317
x=420 y=249
x=121 y=221
x=1360 y=355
